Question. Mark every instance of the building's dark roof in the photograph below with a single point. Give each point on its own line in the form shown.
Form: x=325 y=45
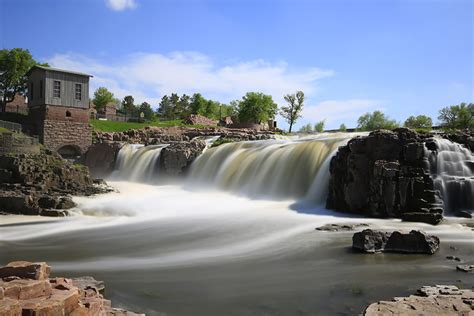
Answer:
x=57 y=70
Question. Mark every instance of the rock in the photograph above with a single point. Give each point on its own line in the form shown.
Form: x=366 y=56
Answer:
x=100 y=157
x=177 y=157
x=54 y=213
x=413 y=242
x=453 y=258
x=385 y=174
x=429 y=218
x=22 y=289
x=341 y=227
x=26 y=270
x=465 y=214
x=65 y=203
x=369 y=240
x=9 y=307
x=86 y=282
x=372 y=241
x=465 y=268
x=21 y=294
x=429 y=300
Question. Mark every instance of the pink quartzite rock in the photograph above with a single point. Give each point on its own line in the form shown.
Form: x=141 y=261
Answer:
x=26 y=270
x=429 y=300
x=26 y=290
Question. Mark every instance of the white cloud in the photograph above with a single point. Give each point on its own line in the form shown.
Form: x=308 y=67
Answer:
x=149 y=76
x=120 y=5
x=340 y=111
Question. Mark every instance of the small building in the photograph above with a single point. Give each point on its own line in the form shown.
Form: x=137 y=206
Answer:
x=18 y=105
x=58 y=102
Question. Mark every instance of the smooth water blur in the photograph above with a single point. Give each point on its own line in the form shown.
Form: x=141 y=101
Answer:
x=184 y=252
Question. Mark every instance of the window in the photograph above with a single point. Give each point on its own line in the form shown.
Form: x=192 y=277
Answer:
x=78 y=91
x=41 y=88
x=32 y=92
x=56 y=89
x=68 y=114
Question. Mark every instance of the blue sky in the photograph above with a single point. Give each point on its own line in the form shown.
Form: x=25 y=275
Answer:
x=349 y=57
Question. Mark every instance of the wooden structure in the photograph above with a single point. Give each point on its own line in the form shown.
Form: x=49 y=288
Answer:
x=58 y=102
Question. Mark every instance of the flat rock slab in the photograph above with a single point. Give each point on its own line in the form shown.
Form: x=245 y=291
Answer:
x=429 y=300
x=26 y=270
x=414 y=242
x=465 y=267
x=341 y=227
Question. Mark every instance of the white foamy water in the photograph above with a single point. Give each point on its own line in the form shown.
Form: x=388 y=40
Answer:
x=452 y=166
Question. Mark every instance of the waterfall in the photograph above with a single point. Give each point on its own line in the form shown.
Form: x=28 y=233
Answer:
x=138 y=163
x=452 y=167
x=295 y=167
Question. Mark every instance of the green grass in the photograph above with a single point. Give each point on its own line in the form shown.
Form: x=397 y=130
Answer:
x=113 y=126
x=4 y=130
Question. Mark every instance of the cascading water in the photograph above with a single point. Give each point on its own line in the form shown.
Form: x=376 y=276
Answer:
x=452 y=166
x=138 y=163
x=297 y=167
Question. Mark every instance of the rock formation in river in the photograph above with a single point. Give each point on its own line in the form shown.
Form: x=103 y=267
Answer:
x=41 y=184
x=372 y=241
x=26 y=289
x=387 y=174
x=429 y=300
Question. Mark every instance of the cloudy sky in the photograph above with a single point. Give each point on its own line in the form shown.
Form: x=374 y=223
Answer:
x=404 y=57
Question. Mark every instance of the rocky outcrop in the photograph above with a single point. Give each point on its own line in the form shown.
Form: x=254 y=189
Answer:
x=372 y=241
x=163 y=135
x=42 y=184
x=385 y=174
x=101 y=157
x=341 y=227
x=429 y=300
x=195 y=119
x=177 y=157
x=26 y=289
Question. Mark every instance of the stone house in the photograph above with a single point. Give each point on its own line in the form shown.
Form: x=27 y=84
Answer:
x=18 y=105
x=58 y=102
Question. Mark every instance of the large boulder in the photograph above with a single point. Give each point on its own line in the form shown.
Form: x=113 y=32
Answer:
x=414 y=242
x=369 y=240
x=177 y=157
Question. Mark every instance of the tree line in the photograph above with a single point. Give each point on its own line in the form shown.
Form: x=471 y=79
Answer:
x=253 y=107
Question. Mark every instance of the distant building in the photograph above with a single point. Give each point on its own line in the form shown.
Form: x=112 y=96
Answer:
x=18 y=105
x=58 y=102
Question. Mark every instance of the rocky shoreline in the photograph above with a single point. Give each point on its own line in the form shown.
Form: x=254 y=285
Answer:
x=27 y=289
x=43 y=184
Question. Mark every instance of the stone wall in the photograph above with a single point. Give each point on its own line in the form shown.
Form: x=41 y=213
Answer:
x=56 y=134
x=195 y=119
x=385 y=174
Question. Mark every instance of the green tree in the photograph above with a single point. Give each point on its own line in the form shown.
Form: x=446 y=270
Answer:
x=256 y=107
x=292 y=112
x=375 y=120
x=308 y=128
x=14 y=64
x=128 y=105
x=457 y=116
x=342 y=127
x=102 y=97
x=419 y=122
x=319 y=126
x=147 y=111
